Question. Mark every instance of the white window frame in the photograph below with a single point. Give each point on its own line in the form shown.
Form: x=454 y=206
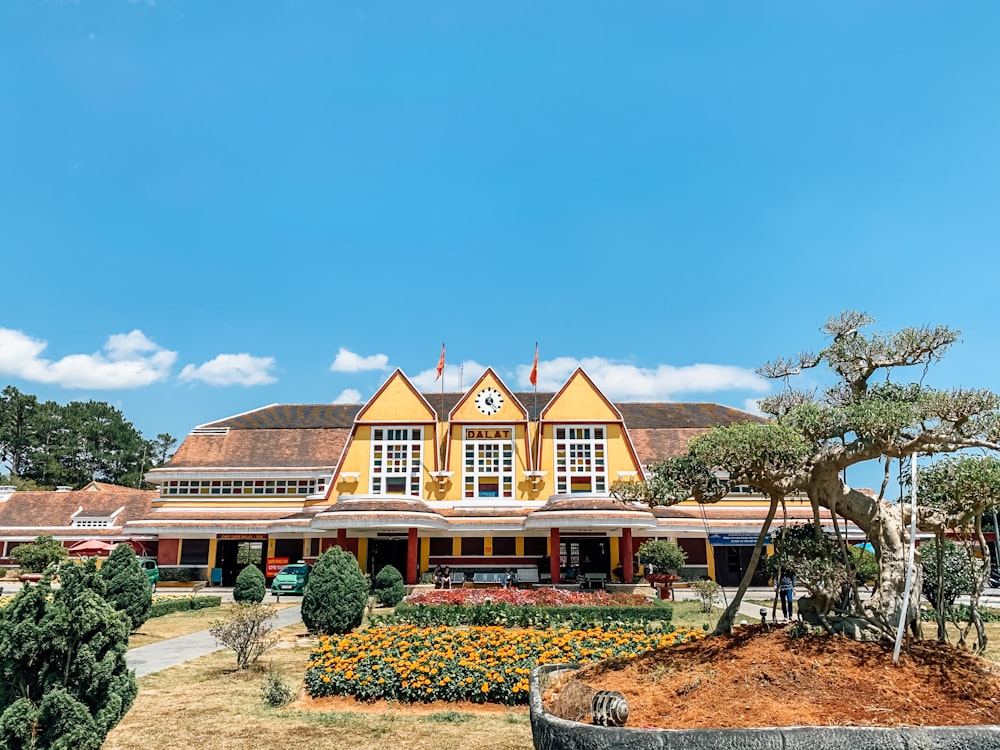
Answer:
x=404 y=447
x=571 y=453
x=502 y=466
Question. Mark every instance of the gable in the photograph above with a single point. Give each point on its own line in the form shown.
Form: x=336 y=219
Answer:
x=578 y=397
x=473 y=406
x=397 y=401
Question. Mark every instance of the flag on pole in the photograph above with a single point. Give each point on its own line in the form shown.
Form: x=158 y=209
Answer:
x=533 y=378
x=440 y=367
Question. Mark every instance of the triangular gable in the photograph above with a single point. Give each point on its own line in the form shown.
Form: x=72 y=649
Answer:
x=397 y=402
x=466 y=410
x=579 y=396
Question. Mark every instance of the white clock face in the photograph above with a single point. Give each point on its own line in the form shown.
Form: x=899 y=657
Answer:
x=489 y=401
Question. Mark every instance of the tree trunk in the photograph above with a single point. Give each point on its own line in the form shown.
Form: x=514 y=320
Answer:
x=883 y=524
x=725 y=624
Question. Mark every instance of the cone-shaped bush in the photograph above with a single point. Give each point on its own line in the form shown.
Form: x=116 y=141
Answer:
x=64 y=682
x=389 y=587
x=335 y=597
x=250 y=585
x=128 y=585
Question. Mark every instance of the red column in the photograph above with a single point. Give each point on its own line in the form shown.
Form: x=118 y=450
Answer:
x=554 y=554
x=342 y=539
x=412 y=545
x=627 y=561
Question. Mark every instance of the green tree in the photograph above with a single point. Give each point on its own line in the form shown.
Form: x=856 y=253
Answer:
x=389 y=587
x=17 y=431
x=36 y=556
x=127 y=585
x=250 y=585
x=162 y=448
x=864 y=415
x=664 y=556
x=336 y=594
x=64 y=682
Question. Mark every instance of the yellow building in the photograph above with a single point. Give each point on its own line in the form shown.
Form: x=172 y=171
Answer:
x=480 y=481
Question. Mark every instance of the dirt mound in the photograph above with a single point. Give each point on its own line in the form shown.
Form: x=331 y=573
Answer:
x=763 y=678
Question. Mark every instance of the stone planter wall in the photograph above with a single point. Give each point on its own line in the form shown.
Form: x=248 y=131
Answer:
x=552 y=733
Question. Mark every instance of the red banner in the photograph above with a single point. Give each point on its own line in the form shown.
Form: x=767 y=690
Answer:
x=274 y=564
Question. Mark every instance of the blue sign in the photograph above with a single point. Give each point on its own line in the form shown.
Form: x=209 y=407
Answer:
x=735 y=540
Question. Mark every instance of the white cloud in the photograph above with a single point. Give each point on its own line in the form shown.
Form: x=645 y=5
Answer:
x=348 y=361
x=232 y=369
x=456 y=377
x=625 y=382
x=348 y=396
x=130 y=361
x=752 y=406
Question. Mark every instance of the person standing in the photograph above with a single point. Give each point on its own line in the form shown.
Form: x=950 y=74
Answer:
x=786 y=592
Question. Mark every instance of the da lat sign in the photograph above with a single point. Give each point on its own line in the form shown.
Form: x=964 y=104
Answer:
x=735 y=540
x=274 y=564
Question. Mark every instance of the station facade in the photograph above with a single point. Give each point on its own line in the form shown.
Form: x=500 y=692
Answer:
x=480 y=480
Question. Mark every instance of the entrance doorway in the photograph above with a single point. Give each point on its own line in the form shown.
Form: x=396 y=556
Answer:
x=579 y=556
x=382 y=552
x=233 y=555
x=731 y=562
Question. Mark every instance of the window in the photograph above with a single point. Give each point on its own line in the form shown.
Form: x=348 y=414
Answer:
x=194 y=552
x=238 y=487
x=439 y=547
x=580 y=460
x=396 y=461
x=504 y=546
x=489 y=462
x=474 y=546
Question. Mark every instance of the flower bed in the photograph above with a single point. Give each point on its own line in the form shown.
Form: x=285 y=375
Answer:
x=529 y=616
x=543 y=597
x=479 y=664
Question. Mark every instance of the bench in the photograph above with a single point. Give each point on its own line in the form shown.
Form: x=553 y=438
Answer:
x=488 y=579
x=527 y=576
x=594 y=580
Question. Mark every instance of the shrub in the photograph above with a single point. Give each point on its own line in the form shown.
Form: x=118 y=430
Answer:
x=336 y=594
x=709 y=593
x=389 y=587
x=64 y=682
x=247 y=631
x=36 y=556
x=250 y=585
x=183 y=604
x=181 y=575
x=963 y=571
x=276 y=692
x=128 y=585
x=665 y=557
x=522 y=616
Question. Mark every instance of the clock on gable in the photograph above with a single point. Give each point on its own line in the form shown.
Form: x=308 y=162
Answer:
x=489 y=401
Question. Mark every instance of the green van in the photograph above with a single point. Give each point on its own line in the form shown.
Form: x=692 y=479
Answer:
x=291 y=579
x=152 y=570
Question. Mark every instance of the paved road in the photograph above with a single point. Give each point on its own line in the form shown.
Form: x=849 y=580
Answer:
x=165 y=654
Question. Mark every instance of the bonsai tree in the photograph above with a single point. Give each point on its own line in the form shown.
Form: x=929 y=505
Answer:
x=864 y=415
x=128 y=589
x=389 y=588
x=250 y=585
x=64 y=682
x=36 y=556
x=663 y=556
x=336 y=594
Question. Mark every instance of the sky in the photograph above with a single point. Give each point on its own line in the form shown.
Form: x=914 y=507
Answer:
x=211 y=206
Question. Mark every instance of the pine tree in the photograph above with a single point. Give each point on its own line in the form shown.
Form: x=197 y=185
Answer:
x=250 y=585
x=336 y=595
x=389 y=588
x=128 y=585
x=64 y=682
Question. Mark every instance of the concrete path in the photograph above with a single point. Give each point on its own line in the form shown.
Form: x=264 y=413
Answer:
x=165 y=654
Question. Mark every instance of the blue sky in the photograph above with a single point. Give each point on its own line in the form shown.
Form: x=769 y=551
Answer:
x=207 y=207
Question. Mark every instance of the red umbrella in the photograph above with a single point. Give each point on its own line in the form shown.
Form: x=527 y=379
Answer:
x=91 y=547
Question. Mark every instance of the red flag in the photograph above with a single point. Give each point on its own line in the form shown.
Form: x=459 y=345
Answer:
x=533 y=378
x=440 y=367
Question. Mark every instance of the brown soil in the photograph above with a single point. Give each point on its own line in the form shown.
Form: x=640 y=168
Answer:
x=764 y=678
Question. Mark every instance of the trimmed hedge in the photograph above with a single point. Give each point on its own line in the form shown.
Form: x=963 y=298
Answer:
x=520 y=616
x=183 y=604
x=960 y=612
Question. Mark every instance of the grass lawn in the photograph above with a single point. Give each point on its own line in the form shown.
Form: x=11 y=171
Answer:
x=205 y=703
x=183 y=623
